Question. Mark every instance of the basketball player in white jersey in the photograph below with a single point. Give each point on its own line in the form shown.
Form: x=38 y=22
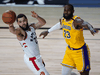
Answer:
x=28 y=40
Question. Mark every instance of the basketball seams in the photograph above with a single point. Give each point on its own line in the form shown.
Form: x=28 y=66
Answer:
x=9 y=17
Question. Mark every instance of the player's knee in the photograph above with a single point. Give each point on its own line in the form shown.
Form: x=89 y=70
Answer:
x=73 y=73
x=66 y=70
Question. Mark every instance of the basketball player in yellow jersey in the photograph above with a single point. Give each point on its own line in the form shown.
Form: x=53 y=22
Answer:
x=77 y=53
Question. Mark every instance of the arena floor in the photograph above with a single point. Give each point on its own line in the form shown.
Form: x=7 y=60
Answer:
x=53 y=47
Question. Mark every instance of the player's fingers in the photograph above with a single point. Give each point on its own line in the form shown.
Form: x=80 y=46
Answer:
x=97 y=31
x=43 y=37
x=33 y=16
x=33 y=12
x=40 y=35
x=10 y=24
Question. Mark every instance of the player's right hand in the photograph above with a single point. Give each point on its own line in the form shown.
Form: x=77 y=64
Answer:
x=35 y=15
x=44 y=33
x=10 y=25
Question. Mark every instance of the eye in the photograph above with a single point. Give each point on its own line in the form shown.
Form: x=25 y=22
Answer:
x=69 y=12
x=19 y=21
x=24 y=20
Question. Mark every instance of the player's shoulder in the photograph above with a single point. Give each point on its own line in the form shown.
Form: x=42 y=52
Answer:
x=78 y=20
x=76 y=17
x=32 y=25
x=62 y=18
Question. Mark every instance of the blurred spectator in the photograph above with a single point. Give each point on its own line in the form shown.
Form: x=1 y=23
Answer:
x=9 y=2
x=36 y=2
x=15 y=1
x=40 y=1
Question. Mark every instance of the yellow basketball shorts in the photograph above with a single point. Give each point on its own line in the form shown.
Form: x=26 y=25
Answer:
x=77 y=58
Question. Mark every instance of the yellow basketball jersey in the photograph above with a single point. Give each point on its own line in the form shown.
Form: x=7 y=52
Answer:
x=73 y=37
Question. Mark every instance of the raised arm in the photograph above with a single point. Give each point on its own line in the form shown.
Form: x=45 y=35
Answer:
x=18 y=32
x=12 y=29
x=40 y=22
x=79 y=23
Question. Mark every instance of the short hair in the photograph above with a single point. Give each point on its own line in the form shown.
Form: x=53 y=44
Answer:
x=19 y=16
x=71 y=6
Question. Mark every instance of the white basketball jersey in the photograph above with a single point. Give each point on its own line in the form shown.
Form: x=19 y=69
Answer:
x=30 y=44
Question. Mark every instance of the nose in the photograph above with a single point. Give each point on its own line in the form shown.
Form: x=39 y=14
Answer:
x=23 y=23
x=66 y=13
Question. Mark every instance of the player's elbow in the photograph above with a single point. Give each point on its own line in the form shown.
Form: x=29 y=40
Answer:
x=12 y=31
x=44 y=22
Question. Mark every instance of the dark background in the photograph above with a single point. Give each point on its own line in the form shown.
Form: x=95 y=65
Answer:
x=77 y=3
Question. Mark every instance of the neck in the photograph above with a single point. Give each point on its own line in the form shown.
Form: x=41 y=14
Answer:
x=70 y=19
x=29 y=29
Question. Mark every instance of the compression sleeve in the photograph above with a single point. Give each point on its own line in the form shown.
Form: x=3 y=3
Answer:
x=55 y=27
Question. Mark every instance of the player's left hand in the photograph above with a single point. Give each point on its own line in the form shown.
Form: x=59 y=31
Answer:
x=10 y=24
x=44 y=33
x=94 y=31
x=35 y=15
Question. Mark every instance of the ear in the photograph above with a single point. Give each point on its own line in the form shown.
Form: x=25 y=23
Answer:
x=73 y=11
x=18 y=23
x=27 y=20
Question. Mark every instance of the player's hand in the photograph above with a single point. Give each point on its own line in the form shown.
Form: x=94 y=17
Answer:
x=35 y=15
x=44 y=33
x=10 y=25
x=94 y=31
x=78 y=23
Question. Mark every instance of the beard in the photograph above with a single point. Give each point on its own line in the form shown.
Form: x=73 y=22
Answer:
x=68 y=17
x=27 y=27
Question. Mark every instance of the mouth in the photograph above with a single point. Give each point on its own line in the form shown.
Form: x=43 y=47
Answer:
x=24 y=25
x=66 y=15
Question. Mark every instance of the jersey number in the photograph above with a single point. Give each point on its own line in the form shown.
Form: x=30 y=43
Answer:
x=68 y=34
x=35 y=38
x=35 y=65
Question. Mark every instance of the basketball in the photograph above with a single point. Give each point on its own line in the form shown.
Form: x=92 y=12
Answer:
x=9 y=17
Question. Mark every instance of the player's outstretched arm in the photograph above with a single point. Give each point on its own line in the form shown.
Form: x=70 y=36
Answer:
x=18 y=32
x=79 y=23
x=89 y=27
x=55 y=27
x=40 y=22
x=12 y=28
x=44 y=34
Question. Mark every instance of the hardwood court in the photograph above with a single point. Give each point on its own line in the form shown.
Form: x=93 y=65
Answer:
x=53 y=47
